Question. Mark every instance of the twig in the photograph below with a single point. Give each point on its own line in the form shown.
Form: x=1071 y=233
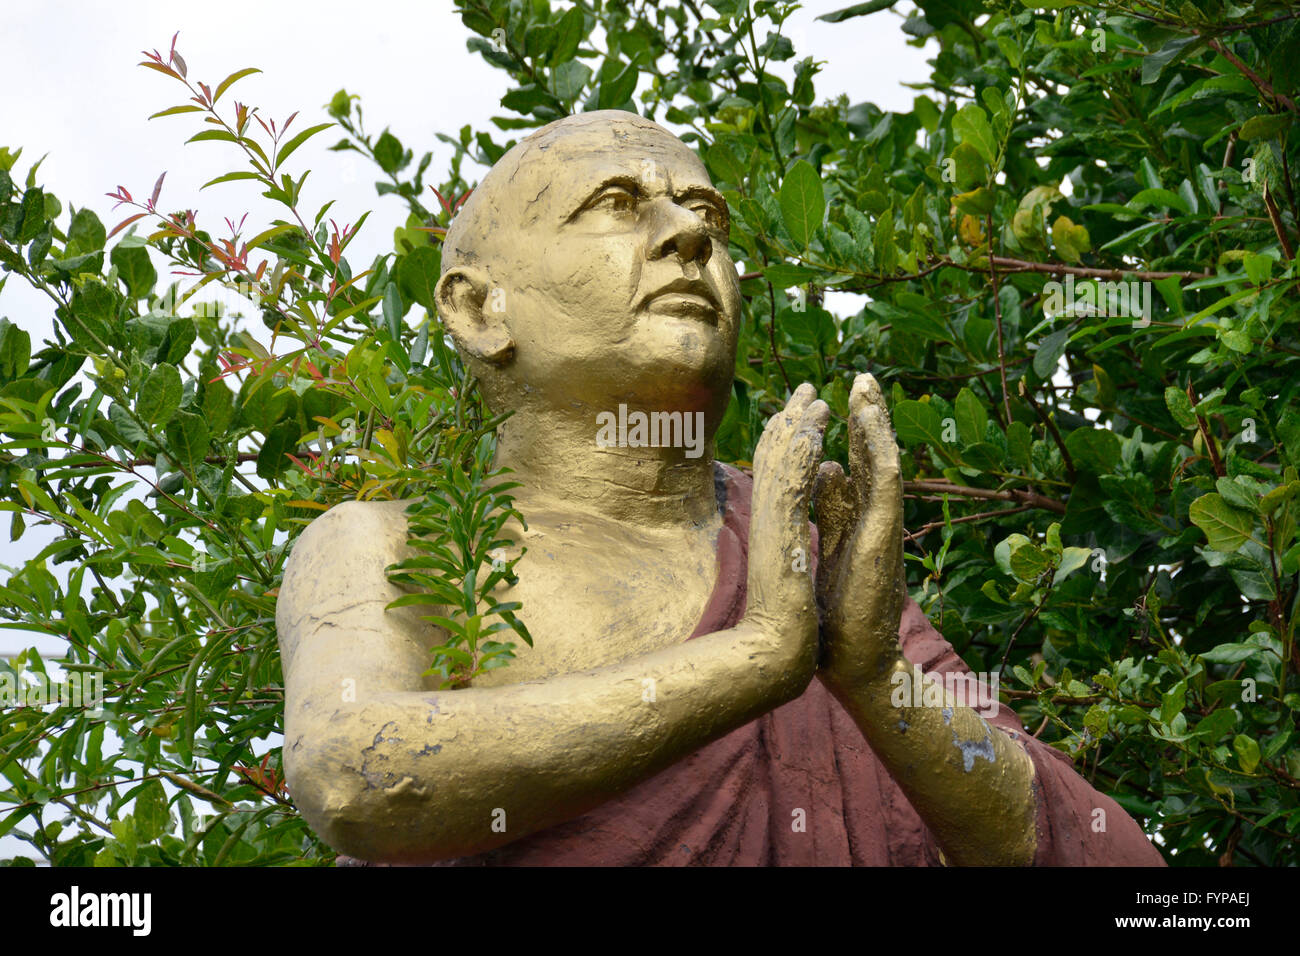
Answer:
x=1030 y=499
x=933 y=525
x=1055 y=268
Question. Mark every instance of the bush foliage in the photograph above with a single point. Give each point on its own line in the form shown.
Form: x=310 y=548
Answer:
x=1102 y=492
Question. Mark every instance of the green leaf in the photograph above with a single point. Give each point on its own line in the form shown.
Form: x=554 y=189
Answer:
x=977 y=202
x=883 y=245
x=917 y=422
x=1172 y=701
x=85 y=234
x=857 y=10
x=1028 y=562
x=803 y=203
x=1231 y=653
x=1238 y=495
x=232 y=177
x=724 y=163
x=187 y=439
x=1093 y=449
x=287 y=149
x=388 y=152
x=1004 y=548
x=1072 y=559
x=972 y=418
x=983 y=456
x=1163 y=198
x=393 y=310
x=229 y=81
x=971 y=124
x=1180 y=407
x=1154 y=64
x=15 y=351
x=615 y=90
x=272 y=457
x=1264 y=127
x=1247 y=751
x=969 y=170
x=150 y=812
x=1071 y=241
x=569 y=33
x=160 y=395
x=1226 y=528
x=33 y=216
x=213 y=135
x=135 y=270
x=177 y=110
x=1049 y=353
x=417 y=276
x=1258 y=268
x=571 y=78
x=782 y=275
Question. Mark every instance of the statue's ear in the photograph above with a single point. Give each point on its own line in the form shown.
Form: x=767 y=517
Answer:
x=480 y=331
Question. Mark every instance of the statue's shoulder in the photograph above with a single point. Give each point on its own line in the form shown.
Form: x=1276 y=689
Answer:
x=339 y=562
x=354 y=540
x=356 y=523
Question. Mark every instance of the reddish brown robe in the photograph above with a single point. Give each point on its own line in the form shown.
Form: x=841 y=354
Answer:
x=733 y=802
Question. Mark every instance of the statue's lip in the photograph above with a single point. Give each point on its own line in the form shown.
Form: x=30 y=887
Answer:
x=684 y=296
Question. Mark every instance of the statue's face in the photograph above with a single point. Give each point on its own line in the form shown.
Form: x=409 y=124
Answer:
x=619 y=286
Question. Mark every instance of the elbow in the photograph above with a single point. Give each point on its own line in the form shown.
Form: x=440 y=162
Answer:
x=370 y=806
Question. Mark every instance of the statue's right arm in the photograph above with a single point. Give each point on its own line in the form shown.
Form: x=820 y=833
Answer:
x=388 y=772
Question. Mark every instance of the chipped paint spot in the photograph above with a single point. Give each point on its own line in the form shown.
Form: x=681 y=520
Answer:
x=947 y=715
x=381 y=739
x=970 y=749
x=902 y=726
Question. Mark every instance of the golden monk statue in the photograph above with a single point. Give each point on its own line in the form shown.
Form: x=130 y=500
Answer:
x=701 y=689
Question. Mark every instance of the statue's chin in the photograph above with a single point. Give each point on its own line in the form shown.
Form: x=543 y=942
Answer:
x=667 y=377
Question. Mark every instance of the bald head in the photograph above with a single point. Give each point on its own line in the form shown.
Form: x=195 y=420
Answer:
x=508 y=197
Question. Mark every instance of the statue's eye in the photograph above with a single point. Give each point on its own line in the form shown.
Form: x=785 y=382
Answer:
x=710 y=213
x=616 y=199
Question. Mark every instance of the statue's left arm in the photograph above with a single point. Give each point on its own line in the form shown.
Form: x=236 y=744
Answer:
x=989 y=794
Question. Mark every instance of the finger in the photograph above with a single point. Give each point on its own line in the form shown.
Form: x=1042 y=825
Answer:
x=834 y=508
x=864 y=394
x=881 y=450
x=779 y=532
x=832 y=505
x=803 y=455
x=801 y=398
x=876 y=487
x=779 y=428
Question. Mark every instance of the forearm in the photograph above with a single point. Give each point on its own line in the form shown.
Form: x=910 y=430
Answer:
x=420 y=776
x=969 y=782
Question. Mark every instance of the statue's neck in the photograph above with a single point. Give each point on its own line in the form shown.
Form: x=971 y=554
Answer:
x=562 y=466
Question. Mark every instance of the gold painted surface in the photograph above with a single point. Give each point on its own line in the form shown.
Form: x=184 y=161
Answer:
x=589 y=270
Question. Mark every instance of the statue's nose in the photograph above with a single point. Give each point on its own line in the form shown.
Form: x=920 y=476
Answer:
x=679 y=232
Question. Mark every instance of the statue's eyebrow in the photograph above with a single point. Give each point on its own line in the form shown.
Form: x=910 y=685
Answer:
x=630 y=183
x=634 y=185
x=705 y=192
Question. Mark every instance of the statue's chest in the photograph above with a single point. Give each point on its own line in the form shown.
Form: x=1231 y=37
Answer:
x=590 y=602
